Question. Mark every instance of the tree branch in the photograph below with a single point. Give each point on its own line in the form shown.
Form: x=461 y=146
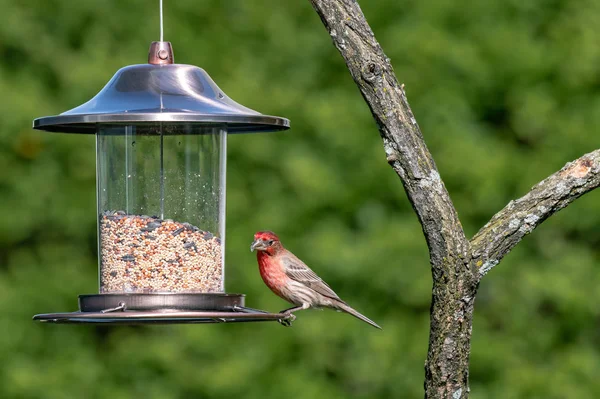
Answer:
x=520 y=217
x=455 y=275
x=402 y=139
x=457 y=265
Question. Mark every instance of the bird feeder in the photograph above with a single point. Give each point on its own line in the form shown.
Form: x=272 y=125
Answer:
x=161 y=142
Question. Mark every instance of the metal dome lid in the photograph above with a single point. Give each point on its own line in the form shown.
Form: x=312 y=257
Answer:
x=161 y=91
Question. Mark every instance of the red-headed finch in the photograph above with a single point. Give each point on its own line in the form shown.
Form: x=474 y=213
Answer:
x=288 y=277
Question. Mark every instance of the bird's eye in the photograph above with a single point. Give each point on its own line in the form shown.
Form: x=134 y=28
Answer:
x=270 y=242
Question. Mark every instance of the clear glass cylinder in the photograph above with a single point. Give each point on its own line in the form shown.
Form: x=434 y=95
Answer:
x=161 y=208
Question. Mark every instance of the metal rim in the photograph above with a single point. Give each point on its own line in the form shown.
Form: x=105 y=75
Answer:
x=86 y=123
x=168 y=308
x=175 y=317
x=160 y=302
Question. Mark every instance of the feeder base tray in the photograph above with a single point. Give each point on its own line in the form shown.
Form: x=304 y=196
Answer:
x=133 y=317
x=162 y=309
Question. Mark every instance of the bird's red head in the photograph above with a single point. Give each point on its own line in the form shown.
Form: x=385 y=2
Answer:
x=267 y=242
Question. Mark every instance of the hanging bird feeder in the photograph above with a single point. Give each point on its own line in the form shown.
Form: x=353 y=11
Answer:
x=161 y=140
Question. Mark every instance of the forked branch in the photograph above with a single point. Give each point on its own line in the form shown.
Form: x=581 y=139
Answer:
x=457 y=265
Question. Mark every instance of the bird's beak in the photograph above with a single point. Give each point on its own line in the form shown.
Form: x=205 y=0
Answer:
x=257 y=244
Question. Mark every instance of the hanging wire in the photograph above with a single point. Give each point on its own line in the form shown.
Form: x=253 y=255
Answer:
x=162 y=169
x=161 y=20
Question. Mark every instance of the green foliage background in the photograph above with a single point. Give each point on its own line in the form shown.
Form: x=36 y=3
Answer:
x=505 y=92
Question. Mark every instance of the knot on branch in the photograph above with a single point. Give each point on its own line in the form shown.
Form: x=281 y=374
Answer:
x=392 y=159
x=579 y=168
x=372 y=71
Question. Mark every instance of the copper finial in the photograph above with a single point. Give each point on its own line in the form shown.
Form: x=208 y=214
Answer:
x=161 y=53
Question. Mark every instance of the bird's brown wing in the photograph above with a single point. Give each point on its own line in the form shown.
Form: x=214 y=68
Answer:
x=298 y=271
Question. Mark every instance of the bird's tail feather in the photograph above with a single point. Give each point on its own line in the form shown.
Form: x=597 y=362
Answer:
x=342 y=306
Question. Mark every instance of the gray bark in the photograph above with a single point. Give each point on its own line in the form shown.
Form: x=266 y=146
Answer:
x=520 y=217
x=457 y=265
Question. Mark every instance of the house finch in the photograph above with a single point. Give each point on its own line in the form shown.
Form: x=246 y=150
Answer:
x=288 y=277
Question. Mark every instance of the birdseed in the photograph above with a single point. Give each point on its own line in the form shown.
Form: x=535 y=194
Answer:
x=145 y=254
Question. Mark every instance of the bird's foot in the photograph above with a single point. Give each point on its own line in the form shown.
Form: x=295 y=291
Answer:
x=287 y=320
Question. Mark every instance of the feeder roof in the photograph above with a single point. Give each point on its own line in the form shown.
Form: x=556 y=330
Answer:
x=176 y=94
